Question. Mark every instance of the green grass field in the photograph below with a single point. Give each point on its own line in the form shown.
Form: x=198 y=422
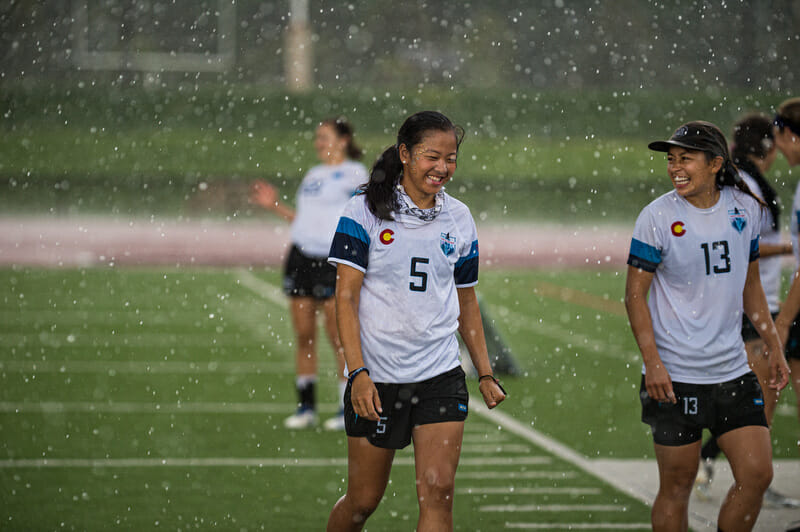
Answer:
x=540 y=155
x=154 y=399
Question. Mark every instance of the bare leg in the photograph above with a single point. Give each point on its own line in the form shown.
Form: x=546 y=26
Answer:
x=304 y=320
x=794 y=367
x=437 y=448
x=750 y=454
x=677 y=468
x=760 y=366
x=368 y=469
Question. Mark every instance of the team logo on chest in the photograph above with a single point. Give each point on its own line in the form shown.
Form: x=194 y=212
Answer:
x=738 y=219
x=386 y=237
x=448 y=244
x=678 y=228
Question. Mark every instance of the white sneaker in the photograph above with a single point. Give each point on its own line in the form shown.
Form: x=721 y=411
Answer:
x=304 y=418
x=773 y=499
x=702 y=483
x=335 y=423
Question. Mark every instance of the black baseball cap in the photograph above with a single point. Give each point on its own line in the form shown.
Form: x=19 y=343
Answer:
x=697 y=135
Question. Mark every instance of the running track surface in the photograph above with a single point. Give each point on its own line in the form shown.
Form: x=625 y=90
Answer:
x=95 y=241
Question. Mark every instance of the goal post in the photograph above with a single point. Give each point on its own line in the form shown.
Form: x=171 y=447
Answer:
x=138 y=37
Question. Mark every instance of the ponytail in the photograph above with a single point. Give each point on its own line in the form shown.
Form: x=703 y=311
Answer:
x=728 y=176
x=754 y=140
x=345 y=129
x=383 y=179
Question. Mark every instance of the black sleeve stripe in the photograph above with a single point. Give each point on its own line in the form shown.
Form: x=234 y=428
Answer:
x=642 y=264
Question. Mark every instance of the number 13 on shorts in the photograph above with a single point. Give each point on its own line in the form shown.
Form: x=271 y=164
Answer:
x=690 y=405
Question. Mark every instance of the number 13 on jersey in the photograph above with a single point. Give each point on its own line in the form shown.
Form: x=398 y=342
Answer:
x=719 y=253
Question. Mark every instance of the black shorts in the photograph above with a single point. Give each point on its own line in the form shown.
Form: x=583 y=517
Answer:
x=405 y=406
x=749 y=332
x=793 y=343
x=306 y=276
x=718 y=407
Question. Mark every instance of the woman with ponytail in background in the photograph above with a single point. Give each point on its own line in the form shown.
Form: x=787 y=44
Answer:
x=753 y=152
x=697 y=247
x=308 y=279
x=407 y=262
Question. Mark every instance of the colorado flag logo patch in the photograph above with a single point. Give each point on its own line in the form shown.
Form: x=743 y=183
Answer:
x=738 y=219
x=386 y=237
x=678 y=228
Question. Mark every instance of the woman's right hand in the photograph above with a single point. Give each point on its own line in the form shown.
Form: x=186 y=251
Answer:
x=658 y=383
x=264 y=194
x=365 y=399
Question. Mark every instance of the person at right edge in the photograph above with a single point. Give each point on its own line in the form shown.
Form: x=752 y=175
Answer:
x=697 y=248
x=753 y=152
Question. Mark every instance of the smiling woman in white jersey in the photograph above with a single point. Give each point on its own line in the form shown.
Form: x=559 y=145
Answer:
x=695 y=250
x=407 y=260
x=309 y=280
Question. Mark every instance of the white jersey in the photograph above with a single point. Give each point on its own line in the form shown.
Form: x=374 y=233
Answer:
x=320 y=199
x=768 y=267
x=795 y=225
x=700 y=259
x=408 y=306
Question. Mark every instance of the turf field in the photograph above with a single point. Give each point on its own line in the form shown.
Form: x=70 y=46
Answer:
x=154 y=399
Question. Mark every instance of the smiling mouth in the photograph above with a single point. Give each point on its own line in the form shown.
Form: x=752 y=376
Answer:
x=436 y=180
x=681 y=180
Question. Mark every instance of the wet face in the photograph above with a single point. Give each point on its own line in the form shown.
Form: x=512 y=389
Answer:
x=427 y=166
x=693 y=175
x=329 y=145
x=789 y=144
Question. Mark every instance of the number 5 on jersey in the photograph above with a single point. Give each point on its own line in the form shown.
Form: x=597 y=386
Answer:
x=420 y=281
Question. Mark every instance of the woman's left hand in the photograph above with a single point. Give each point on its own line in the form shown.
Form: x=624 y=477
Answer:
x=778 y=369
x=493 y=393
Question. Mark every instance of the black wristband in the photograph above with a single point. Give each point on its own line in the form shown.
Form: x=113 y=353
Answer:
x=497 y=382
x=352 y=374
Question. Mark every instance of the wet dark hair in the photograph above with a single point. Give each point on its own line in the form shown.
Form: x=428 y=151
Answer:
x=753 y=137
x=388 y=168
x=788 y=115
x=343 y=128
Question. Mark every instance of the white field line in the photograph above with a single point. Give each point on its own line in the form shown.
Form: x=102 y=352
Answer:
x=266 y=290
x=144 y=367
x=484 y=438
x=555 y=447
x=513 y=490
x=580 y=526
x=492 y=448
x=53 y=407
x=504 y=508
x=142 y=339
x=564 y=336
x=239 y=462
x=516 y=475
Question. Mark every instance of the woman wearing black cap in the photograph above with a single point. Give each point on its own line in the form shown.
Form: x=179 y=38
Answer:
x=695 y=251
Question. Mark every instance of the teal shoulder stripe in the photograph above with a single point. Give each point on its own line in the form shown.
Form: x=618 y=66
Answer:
x=352 y=228
x=645 y=251
x=473 y=252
